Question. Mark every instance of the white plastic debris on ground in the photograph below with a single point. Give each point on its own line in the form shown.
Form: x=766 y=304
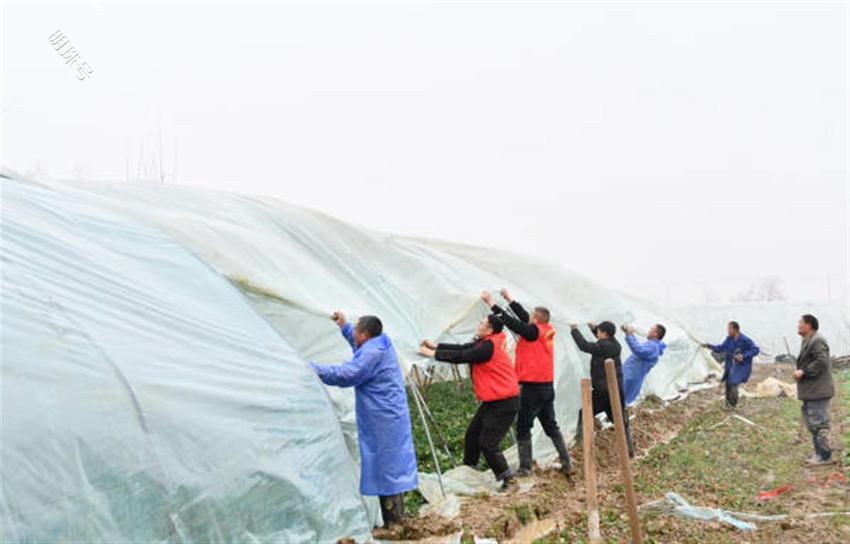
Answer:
x=462 y=481
x=771 y=387
x=294 y=267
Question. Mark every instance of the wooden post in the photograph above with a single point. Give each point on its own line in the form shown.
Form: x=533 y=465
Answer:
x=589 y=455
x=622 y=448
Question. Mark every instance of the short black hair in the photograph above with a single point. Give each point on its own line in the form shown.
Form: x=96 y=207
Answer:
x=811 y=320
x=608 y=328
x=495 y=323
x=662 y=330
x=735 y=325
x=543 y=313
x=371 y=325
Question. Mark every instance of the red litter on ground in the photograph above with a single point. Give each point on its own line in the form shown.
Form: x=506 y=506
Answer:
x=773 y=493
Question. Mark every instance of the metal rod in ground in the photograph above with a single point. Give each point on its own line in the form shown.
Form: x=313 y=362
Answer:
x=589 y=455
x=622 y=448
x=436 y=426
x=428 y=436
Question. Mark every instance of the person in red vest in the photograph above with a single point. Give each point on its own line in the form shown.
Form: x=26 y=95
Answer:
x=495 y=385
x=535 y=369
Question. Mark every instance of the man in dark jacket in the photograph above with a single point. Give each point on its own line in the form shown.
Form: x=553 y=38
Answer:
x=814 y=386
x=606 y=347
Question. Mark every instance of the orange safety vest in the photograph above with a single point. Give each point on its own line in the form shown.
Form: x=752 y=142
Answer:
x=495 y=379
x=535 y=361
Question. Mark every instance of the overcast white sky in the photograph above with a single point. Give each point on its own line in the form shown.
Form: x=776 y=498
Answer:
x=696 y=146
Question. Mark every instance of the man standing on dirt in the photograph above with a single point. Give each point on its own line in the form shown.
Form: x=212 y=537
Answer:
x=535 y=369
x=387 y=458
x=739 y=350
x=495 y=385
x=606 y=347
x=814 y=386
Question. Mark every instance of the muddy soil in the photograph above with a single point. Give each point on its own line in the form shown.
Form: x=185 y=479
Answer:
x=547 y=503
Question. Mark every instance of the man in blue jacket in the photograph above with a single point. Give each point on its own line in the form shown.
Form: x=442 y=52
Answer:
x=739 y=351
x=387 y=458
x=643 y=358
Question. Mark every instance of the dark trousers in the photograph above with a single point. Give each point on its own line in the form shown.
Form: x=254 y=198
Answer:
x=602 y=403
x=485 y=433
x=536 y=401
x=816 y=416
x=392 y=508
x=732 y=394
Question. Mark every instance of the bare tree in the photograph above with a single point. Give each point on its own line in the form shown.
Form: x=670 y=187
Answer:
x=763 y=290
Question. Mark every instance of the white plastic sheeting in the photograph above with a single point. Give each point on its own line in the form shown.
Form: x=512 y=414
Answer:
x=296 y=266
x=770 y=324
x=143 y=400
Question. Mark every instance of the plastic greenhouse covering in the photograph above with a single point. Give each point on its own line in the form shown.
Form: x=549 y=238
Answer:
x=155 y=340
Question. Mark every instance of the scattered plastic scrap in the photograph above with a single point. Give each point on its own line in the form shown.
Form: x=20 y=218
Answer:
x=745 y=420
x=736 y=416
x=683 y=508
x=773 y=493
x=459 y=483
x=771 y=387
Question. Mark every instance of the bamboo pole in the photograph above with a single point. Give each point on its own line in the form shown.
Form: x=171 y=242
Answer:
x=589 y=456
x=622 y=448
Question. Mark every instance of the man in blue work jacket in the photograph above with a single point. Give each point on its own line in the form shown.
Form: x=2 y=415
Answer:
x=387 y=458
x=739 y=351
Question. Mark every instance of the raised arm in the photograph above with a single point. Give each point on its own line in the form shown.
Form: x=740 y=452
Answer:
x=348 y=374
x=645 y=350
x=459 y=354
x=527 y=330
x=583 y=345
x=347 y=331
x=716 y=347
x=520 y=312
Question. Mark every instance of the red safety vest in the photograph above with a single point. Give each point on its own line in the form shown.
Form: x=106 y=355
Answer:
x=495 y=379
x=535 y=361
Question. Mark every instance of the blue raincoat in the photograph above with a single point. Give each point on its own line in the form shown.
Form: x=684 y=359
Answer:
x=643 y=358
x=735 y=372
x=387 y=457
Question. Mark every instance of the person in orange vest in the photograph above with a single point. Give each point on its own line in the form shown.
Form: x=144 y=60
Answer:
x=535 y=369
x=495 y=385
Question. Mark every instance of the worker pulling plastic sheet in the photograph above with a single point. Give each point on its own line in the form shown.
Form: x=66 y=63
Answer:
x=739 y=351
x=644 y=356
x=387 y=458
x=535 y=368
x=606 y=347
x=495 y=385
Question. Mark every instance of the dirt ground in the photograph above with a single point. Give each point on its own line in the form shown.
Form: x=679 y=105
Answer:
x=547 y=508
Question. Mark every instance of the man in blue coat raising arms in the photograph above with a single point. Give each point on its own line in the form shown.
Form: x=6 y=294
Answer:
x=387 y=458
x=643 y=358
x=739 y=350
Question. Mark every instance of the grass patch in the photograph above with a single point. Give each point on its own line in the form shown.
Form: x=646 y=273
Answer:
x=453 y=405
x=725 y=462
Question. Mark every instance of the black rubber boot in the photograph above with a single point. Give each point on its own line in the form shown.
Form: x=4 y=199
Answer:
x=563 y=454
x=508 y=480
x=392 y=509
x=525 y=456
